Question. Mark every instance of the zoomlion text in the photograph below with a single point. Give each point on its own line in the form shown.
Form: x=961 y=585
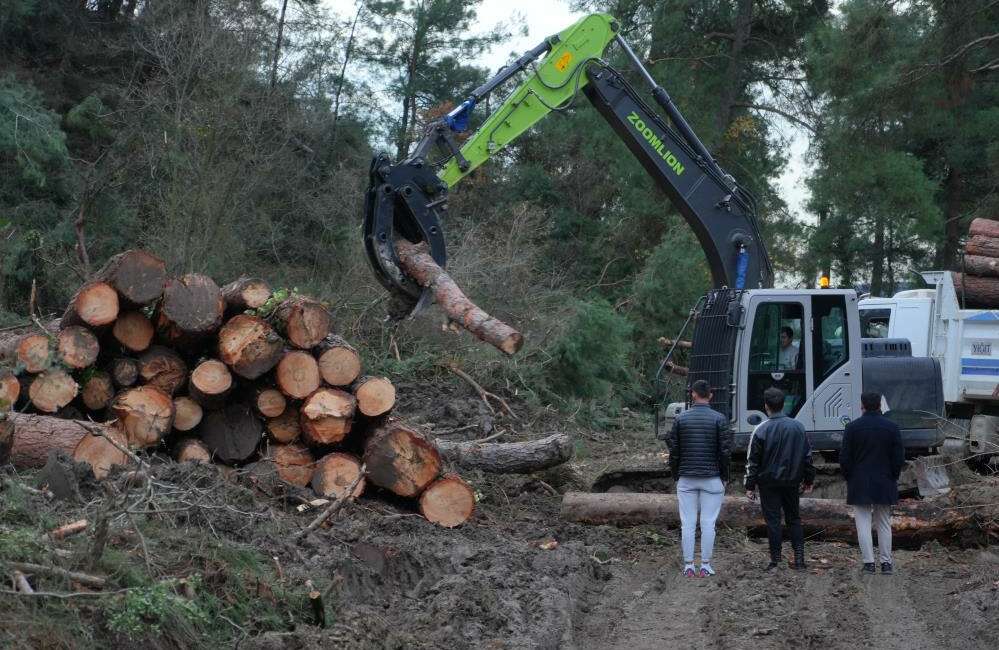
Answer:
x=657 y=144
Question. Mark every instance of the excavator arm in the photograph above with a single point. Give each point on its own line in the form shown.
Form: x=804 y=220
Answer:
x=409 y=198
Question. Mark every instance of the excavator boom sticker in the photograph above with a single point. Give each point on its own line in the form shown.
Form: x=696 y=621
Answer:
x=656 y=143
x=563 y=61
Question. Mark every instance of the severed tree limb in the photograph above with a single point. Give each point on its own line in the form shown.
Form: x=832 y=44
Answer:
x=417 y=262
x=334 y=507
x=69 y=529
x=85 y=579
x=508 y=457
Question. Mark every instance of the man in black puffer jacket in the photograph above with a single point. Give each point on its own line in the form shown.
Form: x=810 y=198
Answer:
x=779 y=461
x=700 y=445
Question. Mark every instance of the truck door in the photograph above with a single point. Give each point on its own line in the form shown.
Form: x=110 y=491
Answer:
x=833 y=401
x=778 y=355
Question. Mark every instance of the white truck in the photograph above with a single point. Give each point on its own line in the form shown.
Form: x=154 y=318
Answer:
x=965 y=342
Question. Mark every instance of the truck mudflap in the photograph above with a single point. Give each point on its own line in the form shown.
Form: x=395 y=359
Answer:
x=912 y=439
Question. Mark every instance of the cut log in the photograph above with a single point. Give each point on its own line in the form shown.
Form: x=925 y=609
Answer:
x=984 y=227
x=375 y=395
x=335 y=473
x=162 y=368
x=95 y=305
x=97 y=390
x=187 y=414
x=29 y=351
x=303 y=321
x=984 y=246
x=145 y=415
x=78 y=347
x=508 y=457
x=10 y=390
x=977 y=292
x=249 y=346
x=29 y=439
x=285 y=427
x=297 y=374
x=979 y=265
x=190 y=310
x=133 y=330
x=400 y=460
x=101 y=454
x=245 y=293
x=192 y=450
x=210 y=383
x=448 y=502
x=270 y=402
x=669 y=343
x=327 y=415
x=292 y=462
x=52 y=390
x=339 y=363
x=124 y=371
x=231 y=434
x=681 y=371
x=417 y=262
x=138 y=276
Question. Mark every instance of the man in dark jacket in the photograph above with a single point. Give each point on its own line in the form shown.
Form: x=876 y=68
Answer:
x=871 y=459
x=779 y=462
x=700 y=445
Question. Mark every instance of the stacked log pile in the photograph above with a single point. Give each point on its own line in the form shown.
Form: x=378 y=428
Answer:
x=236 y=375
x=978 y=284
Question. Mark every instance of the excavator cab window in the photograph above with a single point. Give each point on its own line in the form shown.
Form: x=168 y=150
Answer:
x=830 y=343
x=874 y=323
x=776 y=355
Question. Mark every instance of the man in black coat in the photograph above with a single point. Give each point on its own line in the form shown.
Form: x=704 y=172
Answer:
x=871 y=459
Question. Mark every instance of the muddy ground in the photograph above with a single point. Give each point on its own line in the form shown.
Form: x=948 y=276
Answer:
x=207 y=560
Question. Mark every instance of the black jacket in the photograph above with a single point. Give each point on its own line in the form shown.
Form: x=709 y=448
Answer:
x=700 y=443
x=871 y=459
x=779 y=455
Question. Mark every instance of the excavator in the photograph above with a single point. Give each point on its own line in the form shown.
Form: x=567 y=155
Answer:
x=745 y=336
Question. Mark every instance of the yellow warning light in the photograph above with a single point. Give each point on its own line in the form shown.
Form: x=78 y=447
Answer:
x=824 y=282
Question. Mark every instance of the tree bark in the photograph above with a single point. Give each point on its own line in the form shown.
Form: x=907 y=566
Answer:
x=980 y=265
x=303 y=321
x=508 y=457
x=375 y=395
x=134 y=331
x=292 y=462
x=210 y=383
x=448 y=502
x=245 y=293
x=297 y=374
x=26 y=440
x=977 y=292
x=97 y=391
x=327 y=415
x=162 y=368
x=95 y=305
x=417 y=262
x=400 y=460
x=734 y=84
x=981 y=245
x=249 y=346
x=78 y=347
x=52 y=390
x=335 y=473
x=137 y=275
x=232 y=433
x=277 y=44
x=187 y=414
x=984 y=227
x=339 y=363
x=145 y=415
x=191 y=309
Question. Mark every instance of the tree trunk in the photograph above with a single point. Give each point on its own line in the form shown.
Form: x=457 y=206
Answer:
x=277 y=44
x=187 y=414
x=26 y=440
x=400 y=460
x=983 y=246
x=138 y=276
x=285 y=427
x=297 y=374
x=375 y=395
x=100 y=454
x=339 y=363
x=303 y=321
x=145 y=415
x=270 y=402
x=335 y=473
x=448 y=502
x=124 y=371
x=192 y=450
x=10 y=390
x=417 y=262
x=327 y=415
x=190 y=310
x=292 y=462
x=232 y=433
x=245 y=293
x=52 y=390
x=210 y=383
x=134 y=331
x=979 y=265
x=31 y=351
x=162 y=368
x=977 y=292
x=734 y=83
x=878 y=262
x=508 y=457
x=97 y=391
x=78 y=347
x=249 y=346
x=95 y=305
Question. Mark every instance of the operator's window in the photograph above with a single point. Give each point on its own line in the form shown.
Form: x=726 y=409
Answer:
x=776 y=355
x=874 y=323
x=830 y=343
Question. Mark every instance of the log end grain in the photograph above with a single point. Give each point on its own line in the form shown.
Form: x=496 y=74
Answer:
x=162 y=368
x=270 y=402
x=210 y=382
x=10 y=390
x=305 y=322
x=52 y=390
x=400 y=460
x=137 y=275
x=285 y=427
x=191 y=308
x=335 y=473
x=134 y=331
x=100 y=454
x=187 y=414
x=449 y=501
x=95 y=304
x=246 y=293
x=192 y=450
x=97 y=391
x=78 y=347
x=33 y=352
x=327 y=416
x=375 y=395
x=250 y=346
x=232 y=433
x=297 y=374
x=145 y=414
x=124 y=371
x=339 y=363
x=292 y=462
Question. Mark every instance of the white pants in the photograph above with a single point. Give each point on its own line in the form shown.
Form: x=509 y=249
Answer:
x=699 y=496
x=881 y=514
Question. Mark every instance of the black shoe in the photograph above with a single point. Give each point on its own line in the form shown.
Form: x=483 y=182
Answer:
x=869 y=567
x=799 y=565
x=799 y=559
x=886 y=568
x=773 y=565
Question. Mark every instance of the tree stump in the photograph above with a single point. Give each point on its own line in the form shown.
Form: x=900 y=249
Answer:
x=78 y=347
x=400 y=460
x=285 y=427
x=335 y=473
x=94 y=305
x=292 y=462
x=187 y=414
x=138 y=276
x=145 y=414
x=375 y=395
x=97 y=391
x=339 y=363
x=327 y=416
x=303 y=321
x=297 y=374
x=191 y=309
x=249 y=346
x=133 y=330
x=162 y=368
x=245 y=293
x=449 y=501
x=210 y=383
x=231 y=433
x=52 y=390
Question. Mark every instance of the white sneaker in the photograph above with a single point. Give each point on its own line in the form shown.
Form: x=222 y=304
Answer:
x=706 y=571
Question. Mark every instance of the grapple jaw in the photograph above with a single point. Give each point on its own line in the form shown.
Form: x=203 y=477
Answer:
x=403 y=200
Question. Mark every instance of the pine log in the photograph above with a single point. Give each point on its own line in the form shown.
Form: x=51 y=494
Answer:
x=145 y=415
x=187 y=414
x=375 y=395
x=97 y=390
x=245 y=293
x=979 y=265
x=400 y=460
x=508 y=457
x=292 y=462
x=191 y=450
x=297 y=374
x=303 y=321
x=977 y=292
x=984 y=246
x=249 y=346
x=417 y=262
x=270 y=402
x=134 y=331
x=29 y=351
x=51 y=390
x=138 y=276
x=191 y=309
x=124 y=371
x=232 y=433
x=339 y=363
x=210 y=384
x=327 y=416
x=984 y=227
x=10 y=390
x=26 y=440
x=449 y=501
x=285 y=427
x=95 y=305
x=100 y=454
x=162 y=368
x=335 y=473
x=78 y=347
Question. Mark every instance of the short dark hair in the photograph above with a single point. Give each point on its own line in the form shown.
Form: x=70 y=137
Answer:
x=773 y=397
x=787 y=330
x=871 y=400
x=701 y=388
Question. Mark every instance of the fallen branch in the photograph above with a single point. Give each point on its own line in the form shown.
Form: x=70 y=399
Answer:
x=69 y=529
x=484 y=394
x=85 y=579
x=508 y=457
x=668 y=343
x=334 y=507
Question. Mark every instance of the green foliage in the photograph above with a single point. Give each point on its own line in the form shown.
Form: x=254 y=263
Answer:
x=88 y=117
x=33 y=150
x=145 y=611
